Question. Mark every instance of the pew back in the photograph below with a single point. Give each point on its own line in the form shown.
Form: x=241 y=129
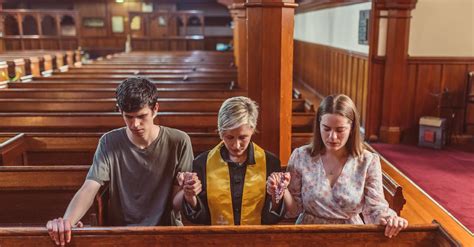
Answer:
x=316 y=235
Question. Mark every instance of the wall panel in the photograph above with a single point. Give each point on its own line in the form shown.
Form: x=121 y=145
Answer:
x=327 y=70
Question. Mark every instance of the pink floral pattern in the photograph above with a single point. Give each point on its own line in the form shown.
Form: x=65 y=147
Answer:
x=357 y=190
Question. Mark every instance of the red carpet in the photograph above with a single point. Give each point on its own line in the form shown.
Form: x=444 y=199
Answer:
x=446 y=175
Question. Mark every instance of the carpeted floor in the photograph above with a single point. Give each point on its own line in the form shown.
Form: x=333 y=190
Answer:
x=446 y=175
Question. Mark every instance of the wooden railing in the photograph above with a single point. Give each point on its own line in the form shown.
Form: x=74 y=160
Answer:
x=309 y=235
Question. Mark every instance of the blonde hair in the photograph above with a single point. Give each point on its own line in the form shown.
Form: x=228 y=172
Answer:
x=342 y=105
x=235 y=112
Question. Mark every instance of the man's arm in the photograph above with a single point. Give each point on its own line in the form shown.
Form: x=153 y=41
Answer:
x=60 y=229
x=82 y=201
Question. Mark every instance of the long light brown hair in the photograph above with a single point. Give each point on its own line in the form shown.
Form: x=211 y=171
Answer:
x=342 y=105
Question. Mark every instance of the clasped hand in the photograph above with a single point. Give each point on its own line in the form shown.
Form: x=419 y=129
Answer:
x=277 y=183
x=190 y=183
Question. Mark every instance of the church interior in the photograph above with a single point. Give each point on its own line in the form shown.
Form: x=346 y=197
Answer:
x=408 y=65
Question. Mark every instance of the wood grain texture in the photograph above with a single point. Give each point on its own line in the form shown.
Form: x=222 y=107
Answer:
x=270 y=59
x=328 y=70
x=325 y=235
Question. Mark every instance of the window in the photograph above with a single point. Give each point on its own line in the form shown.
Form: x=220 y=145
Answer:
x=117 y=24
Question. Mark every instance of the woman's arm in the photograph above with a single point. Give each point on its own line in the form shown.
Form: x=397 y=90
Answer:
x=376 y=209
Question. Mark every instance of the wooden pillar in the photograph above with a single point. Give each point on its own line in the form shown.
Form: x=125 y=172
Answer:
x=270 y=69
x=40 y=29
x=77 y=23
x=58 y=27
x=239 y=16
x=388 y=69
x=2 y=31
x=19 y=19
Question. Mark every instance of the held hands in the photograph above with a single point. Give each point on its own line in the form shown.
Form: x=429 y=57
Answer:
x=191 y=185
x=394 y=225
x=60 y=230
x=277 y=183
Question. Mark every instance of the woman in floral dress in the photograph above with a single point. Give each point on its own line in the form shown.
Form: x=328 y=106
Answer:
x=333 y=180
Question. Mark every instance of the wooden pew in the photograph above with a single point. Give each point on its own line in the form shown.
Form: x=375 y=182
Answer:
x=4 y=77
x=33 y=195
x=37 y=149
x=147 y=66
x=36 y=65
x=105 y=105
x=110 y=105
x=20 y=69
x=100 y=93
x=194 y=76
x=91 y=84
x=135 y=70
x=430 y=235
x=33 y=149
x=101 y=122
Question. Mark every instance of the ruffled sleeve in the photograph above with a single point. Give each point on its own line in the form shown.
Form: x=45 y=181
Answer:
x=375 y=206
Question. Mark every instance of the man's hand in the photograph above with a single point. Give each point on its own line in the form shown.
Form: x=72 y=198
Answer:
x=191 y=187
x=60 y=230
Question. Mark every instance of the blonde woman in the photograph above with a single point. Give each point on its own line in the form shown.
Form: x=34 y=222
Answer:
x=228 y=183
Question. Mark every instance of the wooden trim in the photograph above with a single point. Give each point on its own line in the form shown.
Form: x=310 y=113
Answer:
x=346 y=51
x=440 y=60
x=314 y=5
x=395 y=4
x=291 y=235
x=271 y=5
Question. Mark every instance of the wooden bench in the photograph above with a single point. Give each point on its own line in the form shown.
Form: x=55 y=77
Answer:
x=32 y=149
x=110 y=105
x=194 y=76
x=101 y=122
x=91 y=84
x=431 y=235
x=33 y=195
x=18 y=69
x=148 y=71
x=36 y=149
x=100 y=93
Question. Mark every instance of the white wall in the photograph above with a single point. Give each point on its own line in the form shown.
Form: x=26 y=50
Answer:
x=442 y=28
x=336 y=27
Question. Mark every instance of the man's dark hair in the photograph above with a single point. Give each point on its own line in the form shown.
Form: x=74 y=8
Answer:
x=134 y=93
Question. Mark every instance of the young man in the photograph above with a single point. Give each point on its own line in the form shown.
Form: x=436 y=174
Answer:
x=140 y=161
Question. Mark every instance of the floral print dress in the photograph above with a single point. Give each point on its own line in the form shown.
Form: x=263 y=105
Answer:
x=358 y=189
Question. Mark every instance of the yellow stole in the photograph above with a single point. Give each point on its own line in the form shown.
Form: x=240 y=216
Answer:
x=219 y=196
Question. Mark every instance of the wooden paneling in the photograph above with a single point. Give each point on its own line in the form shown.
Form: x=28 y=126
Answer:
x=327 y=70
x=436 y=87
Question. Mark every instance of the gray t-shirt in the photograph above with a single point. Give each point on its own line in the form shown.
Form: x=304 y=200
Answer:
x=141 y=180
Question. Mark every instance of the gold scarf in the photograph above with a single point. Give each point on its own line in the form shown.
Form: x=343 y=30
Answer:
x=219 y=196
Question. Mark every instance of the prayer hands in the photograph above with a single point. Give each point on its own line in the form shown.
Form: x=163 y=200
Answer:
x=277 y=182
x=60 y=230
x=394 y=225
x=191 y=185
